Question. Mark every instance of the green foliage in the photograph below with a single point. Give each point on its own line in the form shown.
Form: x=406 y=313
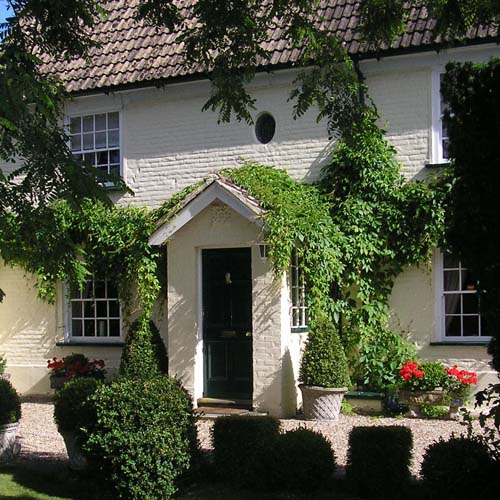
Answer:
x=144 y=436
x=144 y=355
x=434 y=411
x=72 y=409
x=242 y=445
x=297 y=217
x=381 y=355
x=323 y=361
x=10 y=404
x=378 y=461
x=460 y=468
x=3 y=362
x=434 y=376
x=62 y=243
x=473 y=227
x=304 y=461
x=386 y=224
x=489 y=418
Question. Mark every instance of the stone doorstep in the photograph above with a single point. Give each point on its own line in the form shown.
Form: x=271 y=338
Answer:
x=211 y=408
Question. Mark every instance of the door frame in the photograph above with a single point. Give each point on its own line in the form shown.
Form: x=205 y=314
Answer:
x=199 y=368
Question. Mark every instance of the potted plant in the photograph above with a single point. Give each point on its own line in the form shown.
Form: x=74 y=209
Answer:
x=75 y=365
x=10 y=414
x=73 y=412
x=458 y=388
x=323 y=372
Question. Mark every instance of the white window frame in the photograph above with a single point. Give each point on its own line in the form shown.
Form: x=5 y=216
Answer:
x=440 y=317
x=93 y=112
x=297 y=296
x=69 y=338
x=437 y=122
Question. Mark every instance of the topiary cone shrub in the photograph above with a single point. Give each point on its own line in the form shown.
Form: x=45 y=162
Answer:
x=323 y=372
x=144 y=354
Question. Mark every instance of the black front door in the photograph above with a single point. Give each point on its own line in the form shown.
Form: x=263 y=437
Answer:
x=227 y=322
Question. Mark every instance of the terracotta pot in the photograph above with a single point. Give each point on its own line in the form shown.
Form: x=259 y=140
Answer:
x=76 y=459
x=9 y=448
x=321 y=403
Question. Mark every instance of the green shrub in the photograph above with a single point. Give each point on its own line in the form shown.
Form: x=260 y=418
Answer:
x=144 y=354
x=460 y=468
x=304 y=461
x=378 y=461
x=3 y=362
x=144 y=437
x=73 y=410
x=434 y=411
x=382 y=353
x=10 y=405
x=242 y=448
x=434 y=375
x=323 y=361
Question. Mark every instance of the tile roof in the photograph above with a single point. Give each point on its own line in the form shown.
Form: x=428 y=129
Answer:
x=132 y=52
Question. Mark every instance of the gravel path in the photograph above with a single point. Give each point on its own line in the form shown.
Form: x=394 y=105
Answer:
x=42 y=444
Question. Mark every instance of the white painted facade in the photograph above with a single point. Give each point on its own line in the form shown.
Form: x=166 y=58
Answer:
x=167 y=143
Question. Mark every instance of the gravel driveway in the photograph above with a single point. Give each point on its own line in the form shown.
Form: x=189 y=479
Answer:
x=41 y=443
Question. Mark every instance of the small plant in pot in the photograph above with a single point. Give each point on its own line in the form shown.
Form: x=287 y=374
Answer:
x=75 y=365
x=10 y=414
x=73 y=411
x=323 y=372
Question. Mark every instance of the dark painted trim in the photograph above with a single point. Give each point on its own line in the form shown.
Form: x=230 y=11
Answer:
x=483 y=343
x=437 y=165
x=300 y=329
x=90 y=344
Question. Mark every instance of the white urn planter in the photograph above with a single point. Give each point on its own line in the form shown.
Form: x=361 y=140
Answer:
x=8 y=446
x=322 y=403
x=76 y=460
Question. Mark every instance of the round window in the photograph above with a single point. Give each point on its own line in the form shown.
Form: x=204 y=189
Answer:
x=265 y=127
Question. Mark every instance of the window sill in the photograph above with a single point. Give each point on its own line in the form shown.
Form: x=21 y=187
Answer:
x=71 y=343
x=479 y=343
x=437 y=165
x=300 y=329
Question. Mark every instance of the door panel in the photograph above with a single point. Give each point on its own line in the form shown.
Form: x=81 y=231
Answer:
x=227 y=322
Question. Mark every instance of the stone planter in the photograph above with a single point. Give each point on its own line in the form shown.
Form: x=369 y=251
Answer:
x=9 y=448
x=365 y=402
x=415 y=399
x=76 y=459
x=321 y=403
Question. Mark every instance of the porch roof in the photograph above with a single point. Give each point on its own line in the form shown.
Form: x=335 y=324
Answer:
x=217 y=187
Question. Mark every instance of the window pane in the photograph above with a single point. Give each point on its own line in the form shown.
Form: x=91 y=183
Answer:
x=89 y=328
x=102 y=158
x=113 y=121
x=114 y=169
x=78 y=157
x=113 y=138
x=88 y=141
x=89 y=158
x=102 y=327
x=88 y=290
x=75 y=292
x=452 y=303
x=114 y=327
x=470 y=303
x=102 y=309
x=76 y=142
x=453 y=326
x=114 y=156
x=451 y=281
x=89 y=309
x=100 y=140
x=471 y=326
x=100 y=122
x=112 y=290
x=100 y=289
x=450 y=262
x=75 y=125
x=114 y=309
x=88 y=123
x=469 y=281
x=76 y=309
x=76 y=328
